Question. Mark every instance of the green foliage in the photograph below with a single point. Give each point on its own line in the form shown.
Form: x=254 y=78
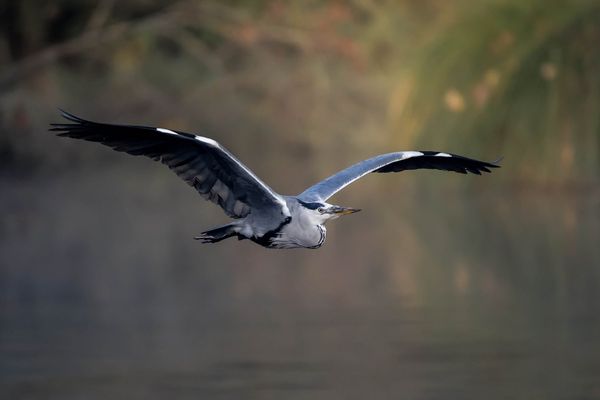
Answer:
x=515 y=77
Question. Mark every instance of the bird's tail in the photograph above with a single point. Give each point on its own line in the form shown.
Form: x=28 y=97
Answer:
x=217 y=234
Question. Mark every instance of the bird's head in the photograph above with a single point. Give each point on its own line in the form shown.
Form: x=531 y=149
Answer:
x=321 y=212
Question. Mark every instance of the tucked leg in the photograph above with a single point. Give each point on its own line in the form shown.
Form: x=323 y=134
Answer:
x=217 y=234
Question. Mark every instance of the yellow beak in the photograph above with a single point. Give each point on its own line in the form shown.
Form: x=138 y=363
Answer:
x=344 y=210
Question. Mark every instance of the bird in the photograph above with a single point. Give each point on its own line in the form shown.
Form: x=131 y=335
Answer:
x=259 y=213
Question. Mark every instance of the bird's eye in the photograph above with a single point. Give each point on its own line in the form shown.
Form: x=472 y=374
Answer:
x=321 y=210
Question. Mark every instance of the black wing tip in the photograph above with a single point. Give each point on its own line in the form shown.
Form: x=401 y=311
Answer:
x=480 y=166
x=476 y=166
x=62 y=129
x=484 y=166
x=71 y=117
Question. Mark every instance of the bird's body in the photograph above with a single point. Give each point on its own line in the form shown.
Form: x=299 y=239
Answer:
x=300 y=229
x=261 y=215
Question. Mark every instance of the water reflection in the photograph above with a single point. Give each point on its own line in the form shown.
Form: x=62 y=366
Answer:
x=461 y=294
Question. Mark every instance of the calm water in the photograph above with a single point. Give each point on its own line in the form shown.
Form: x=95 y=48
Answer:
x=446 y=293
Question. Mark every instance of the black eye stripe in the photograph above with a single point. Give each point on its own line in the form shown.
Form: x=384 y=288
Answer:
x=312 y=206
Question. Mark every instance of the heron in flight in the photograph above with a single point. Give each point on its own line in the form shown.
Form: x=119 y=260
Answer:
x=261 y=215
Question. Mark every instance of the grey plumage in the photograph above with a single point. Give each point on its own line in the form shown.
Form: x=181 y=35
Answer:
x=261 y=214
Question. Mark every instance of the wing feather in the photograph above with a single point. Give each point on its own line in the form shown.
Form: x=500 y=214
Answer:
x=394 y=162
x=203 y=163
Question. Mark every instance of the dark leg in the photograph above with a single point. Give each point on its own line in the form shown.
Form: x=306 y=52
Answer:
x=217 y=234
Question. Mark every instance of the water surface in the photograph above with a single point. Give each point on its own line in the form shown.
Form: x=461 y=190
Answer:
x=445 y=292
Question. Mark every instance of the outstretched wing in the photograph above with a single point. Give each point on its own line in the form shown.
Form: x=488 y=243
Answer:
x=202 y=162
x=394 y=162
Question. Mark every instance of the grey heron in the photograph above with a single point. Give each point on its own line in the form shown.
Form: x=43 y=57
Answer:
x=261 y=215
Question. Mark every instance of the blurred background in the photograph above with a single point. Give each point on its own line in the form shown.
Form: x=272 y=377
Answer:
x=445 y=286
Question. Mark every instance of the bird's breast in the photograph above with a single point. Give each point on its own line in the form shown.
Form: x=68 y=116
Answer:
x=295 y=235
